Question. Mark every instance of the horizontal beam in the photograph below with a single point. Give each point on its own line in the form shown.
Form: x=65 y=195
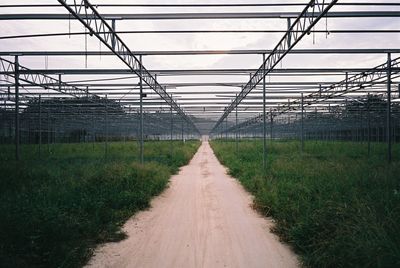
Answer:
x=192 y=16
x=331 y=31
x=202 y=52
x=276 y=4
x=130 y=86
x=193 y=71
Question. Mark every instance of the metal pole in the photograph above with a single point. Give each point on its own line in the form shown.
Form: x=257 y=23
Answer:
x=106 y=129
x=113 y=36
x=388 y=110
x=271 y=125
x=302 y=123
x=16 y=76
x=289 y=24
x=264 y=121
x=40 y=126
x=226 y=128
x=171 y=130
x=93 y=131
x=369 y=125
x=236 y=125
x=182 y=132
x=48 y=131
x=141 y=114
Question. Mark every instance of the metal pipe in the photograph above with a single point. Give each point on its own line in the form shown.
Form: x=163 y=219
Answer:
x=40 y=126
x=368 y=125
x=208 y=16
x=236 y=131
x=106 y=128
x=172 y=128
x=113 y=36
x=265 y=119
x=271 y=125
x=17 y=136
x=141 y=145
x=389 y=110
x=302 y=123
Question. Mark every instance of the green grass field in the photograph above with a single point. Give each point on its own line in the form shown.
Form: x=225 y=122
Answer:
x=333 y=204
x=54 y=210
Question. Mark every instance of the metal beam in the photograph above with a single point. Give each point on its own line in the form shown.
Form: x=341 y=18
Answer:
x=205 y=52
x=199 y=16
x=276 y=4
x=348 y=85
x=41 y=80
x=304 y=22
x=186 y=71
x=96 y=24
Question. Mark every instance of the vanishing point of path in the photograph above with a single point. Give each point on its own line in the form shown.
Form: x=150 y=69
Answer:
x=204 y=219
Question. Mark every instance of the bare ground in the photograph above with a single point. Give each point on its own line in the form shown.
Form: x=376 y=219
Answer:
x=204 y=219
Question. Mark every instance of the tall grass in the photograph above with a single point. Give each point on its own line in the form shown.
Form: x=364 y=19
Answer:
x=333 y=204
x=55 y=210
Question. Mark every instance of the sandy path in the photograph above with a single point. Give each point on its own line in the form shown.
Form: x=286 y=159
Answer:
x=203 y=219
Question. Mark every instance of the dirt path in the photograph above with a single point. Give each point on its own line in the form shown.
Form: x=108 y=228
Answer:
x=203 y=219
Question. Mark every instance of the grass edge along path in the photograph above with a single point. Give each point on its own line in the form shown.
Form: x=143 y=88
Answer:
x=333 y=204
x=55 y=211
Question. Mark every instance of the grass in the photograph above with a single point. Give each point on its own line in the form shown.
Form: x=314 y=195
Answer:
x=333 y=204
x=54 y=211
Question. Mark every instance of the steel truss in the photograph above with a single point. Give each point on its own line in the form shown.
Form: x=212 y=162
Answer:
x=97 y=25
x=311 y=14
x=8 y=69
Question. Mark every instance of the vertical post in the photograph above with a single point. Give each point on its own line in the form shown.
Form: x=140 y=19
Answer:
x=106 y=128
x=93 y=130
x=172 y=127
x=265 y=119
x=289 y=24
x=48 y=131
x=59 y=82
x=16 y=76
x=141 y=112
x=226 y=128
x=40 y=126
x=271 y=125
x=113 y=35
x=236 y=125
x=302 y=123
x=182 y=132
x=369 y=125
x=388 y=110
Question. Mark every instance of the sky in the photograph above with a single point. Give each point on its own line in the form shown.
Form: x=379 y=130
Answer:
x=215 y=41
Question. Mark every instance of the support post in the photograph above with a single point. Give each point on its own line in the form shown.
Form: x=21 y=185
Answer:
x=17 y=137
x=182 y=132
x=302 y=123
x=226 y=129
x=236 y=125
x=171 y=127
x=368 y=125
x=106 y=129
x=289 y=24
x=271 y=125
x=264 y=121
x=93 y=129
x=40 y=126
x=141 y=113
x=48 y=131
x=113 y=36
x=389 y=110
